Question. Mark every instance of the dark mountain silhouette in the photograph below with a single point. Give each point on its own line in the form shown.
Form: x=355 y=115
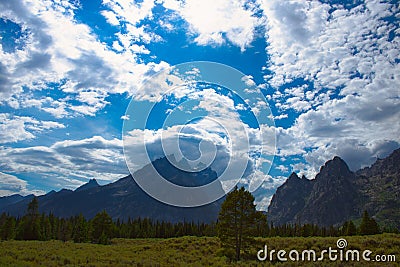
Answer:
x=290 y=198
x=333 y=198
x=9 y=200
x=91 y=184
x=124 y=199
x=337 y=194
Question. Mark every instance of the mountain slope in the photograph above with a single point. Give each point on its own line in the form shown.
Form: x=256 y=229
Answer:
x=9 y=200
x=289 y=199
x=333 y=198
x=380 y=184
x=337 y=195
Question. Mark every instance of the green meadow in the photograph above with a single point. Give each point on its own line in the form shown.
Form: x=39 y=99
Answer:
x=185 y=251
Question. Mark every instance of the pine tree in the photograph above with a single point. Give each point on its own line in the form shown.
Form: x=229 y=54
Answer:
x=349 y=228
x=7 y=227
x=45 y=227
x=261 y=224
x=64 y=230
x=102 y=226
x=368 y=225
x=80 y=229
x=236 y=222
x=30 y=225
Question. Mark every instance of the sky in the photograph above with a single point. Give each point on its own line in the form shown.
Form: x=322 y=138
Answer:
x=75 y=74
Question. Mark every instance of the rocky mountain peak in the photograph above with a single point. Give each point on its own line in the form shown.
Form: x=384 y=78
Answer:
x=293 y=177
x=337 y=194
x=295 y=180
x=289 y=198
x=336 y=166
x=91 y=184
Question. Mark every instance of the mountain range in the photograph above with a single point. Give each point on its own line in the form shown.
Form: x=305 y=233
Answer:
x=338 y=194
x=334 y=196
x=122 y=199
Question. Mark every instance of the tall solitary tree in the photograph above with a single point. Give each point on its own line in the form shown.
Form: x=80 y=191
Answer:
x=236 y=222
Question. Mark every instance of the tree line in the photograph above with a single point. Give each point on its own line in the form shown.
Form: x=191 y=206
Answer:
x=101 y=229
x=238 y=222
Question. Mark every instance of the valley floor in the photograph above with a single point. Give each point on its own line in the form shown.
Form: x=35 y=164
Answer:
x=188 y=251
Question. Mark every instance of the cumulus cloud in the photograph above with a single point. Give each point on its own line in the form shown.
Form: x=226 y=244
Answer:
x=213 y=22
x=17 y=128
x=347 y=48
x=63 y=54
x=346 y=59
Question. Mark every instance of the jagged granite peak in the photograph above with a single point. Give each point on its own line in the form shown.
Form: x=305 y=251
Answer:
x=338 y=195
x=92 y=183
x=289 y=198
x=293 y=176
x=337 y=166
x=333 y=196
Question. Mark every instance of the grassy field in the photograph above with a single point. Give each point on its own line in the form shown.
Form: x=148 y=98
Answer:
x=184 y=251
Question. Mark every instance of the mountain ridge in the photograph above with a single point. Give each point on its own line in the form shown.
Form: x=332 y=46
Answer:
x=124 y=199
x=338 y=194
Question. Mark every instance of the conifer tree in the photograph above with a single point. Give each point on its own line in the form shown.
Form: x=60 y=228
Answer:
x=102 y=226
x=368 y=225
x=64 y=230
x=80 y=229
x=349 y=228
x=30 y=224
x=236 y=222
x=7 y=227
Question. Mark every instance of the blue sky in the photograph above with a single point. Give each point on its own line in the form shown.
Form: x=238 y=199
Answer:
x=329 y=71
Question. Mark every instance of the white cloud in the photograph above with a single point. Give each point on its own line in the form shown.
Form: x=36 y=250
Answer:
x=111 y=17
x=281 y=116
x=264 y=194
x=248 y=80
x=212 y=22
x=60 y=51
x=180 y=140
x=120 y=13
x=347 y=56
x=162 y=83
x=282 y=168
x=124 y=10
x=67 y=163
x=11 y=184
x=17 y=128
x=306 y=42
